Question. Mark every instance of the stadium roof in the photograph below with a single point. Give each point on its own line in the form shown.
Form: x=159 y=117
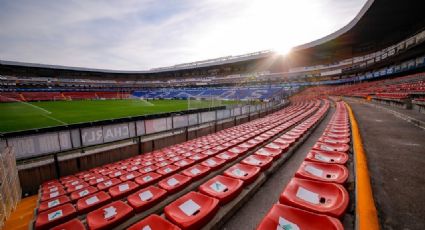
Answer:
x=379 y=24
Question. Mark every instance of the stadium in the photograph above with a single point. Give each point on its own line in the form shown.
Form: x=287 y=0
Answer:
x=326 y=135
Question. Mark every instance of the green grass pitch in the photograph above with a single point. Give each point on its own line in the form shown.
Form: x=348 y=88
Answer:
x=21 y=116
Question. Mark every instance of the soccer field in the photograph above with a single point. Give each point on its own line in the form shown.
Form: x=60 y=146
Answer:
x=21 y=116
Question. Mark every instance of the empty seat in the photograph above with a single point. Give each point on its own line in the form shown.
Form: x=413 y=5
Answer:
x=282 y=217
x=51 y=195
x=330 y=157
x=82 y=193
x=264 y=162
x=285 y=140
x=334 y=140
x=148 y=169
x=168 y=169
x=148 y=178
x=174 y=183
x=213 y=163
x=146 y=198
x=198 y=157
x=92 y=202
x=55 y=216
x=121 y=190
x=53 y=203
x=184 y=163
x=97 y=180
x=129 y=176
x=323 y=172
x=191 y=211
x=278 y=145
x=336 y=135
x=227 y=156
x=74 y=224
x=222 y=188
x=270 y=152
x=331 y=147
x=240 y=150
x=197 y=171
x=247 y=173
x=108 y=183
x=109 y=216
x=320 y=197
x=153 y=222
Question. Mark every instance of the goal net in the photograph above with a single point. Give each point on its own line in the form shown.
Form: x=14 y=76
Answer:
x=196 y=102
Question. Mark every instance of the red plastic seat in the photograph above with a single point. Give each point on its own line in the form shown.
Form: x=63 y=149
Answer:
x=192 y=211
x=320 y=197
x=148 y=169
x=51 y=188
x=148 y=178
x=130 y=176
x=239 y=150
x=168 y=169
x=331 y=147
x=289 y=141
x=74 y=224
x=121 y=190
x=174 y=183
x=163 y=163
x=334 y=140
x=153 y=222
x=146 y=198
x=108 y=183
x=327 y=157
x=247 y=173
x=97 y=180
x=46 y=205
x=286 y=217
x=210 y=152
x=227 y=156
x=92 y=202
x=109 y=216
x=213 y=162
x=336 y=135
x=198 y=157
x=83 y=192
x=184 y=163
x=77 y=187
x=270 y=152
x=117 y=173
x=222 y=188
x=55 y=216
x=323 y=172
x=197 y=171
x=51 y=195
x=278 y=145
x=264 y=162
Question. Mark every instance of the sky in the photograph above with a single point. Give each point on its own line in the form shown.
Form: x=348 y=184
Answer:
x=145 y=34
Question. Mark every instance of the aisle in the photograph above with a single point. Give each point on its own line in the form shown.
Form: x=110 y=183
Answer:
x=21 y=217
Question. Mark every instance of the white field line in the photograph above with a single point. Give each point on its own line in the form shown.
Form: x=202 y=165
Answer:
x=55 y=119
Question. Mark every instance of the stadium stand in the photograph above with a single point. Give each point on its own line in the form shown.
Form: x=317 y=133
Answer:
x=224 y=93
x=238 y=141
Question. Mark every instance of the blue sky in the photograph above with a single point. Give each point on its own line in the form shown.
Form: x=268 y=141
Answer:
x=144 y=34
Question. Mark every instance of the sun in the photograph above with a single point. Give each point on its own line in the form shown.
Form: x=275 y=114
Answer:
x=283 y=50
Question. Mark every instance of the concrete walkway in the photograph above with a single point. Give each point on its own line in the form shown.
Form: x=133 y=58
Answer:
x=395 y=151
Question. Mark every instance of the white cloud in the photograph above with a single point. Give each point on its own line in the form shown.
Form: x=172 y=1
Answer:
x=137 y=35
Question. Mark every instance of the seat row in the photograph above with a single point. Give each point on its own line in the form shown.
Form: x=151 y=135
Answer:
x=315 y=198
x=87 y=191
x=195 y=209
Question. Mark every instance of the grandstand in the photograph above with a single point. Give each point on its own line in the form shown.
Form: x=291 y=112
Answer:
x=330 y=136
